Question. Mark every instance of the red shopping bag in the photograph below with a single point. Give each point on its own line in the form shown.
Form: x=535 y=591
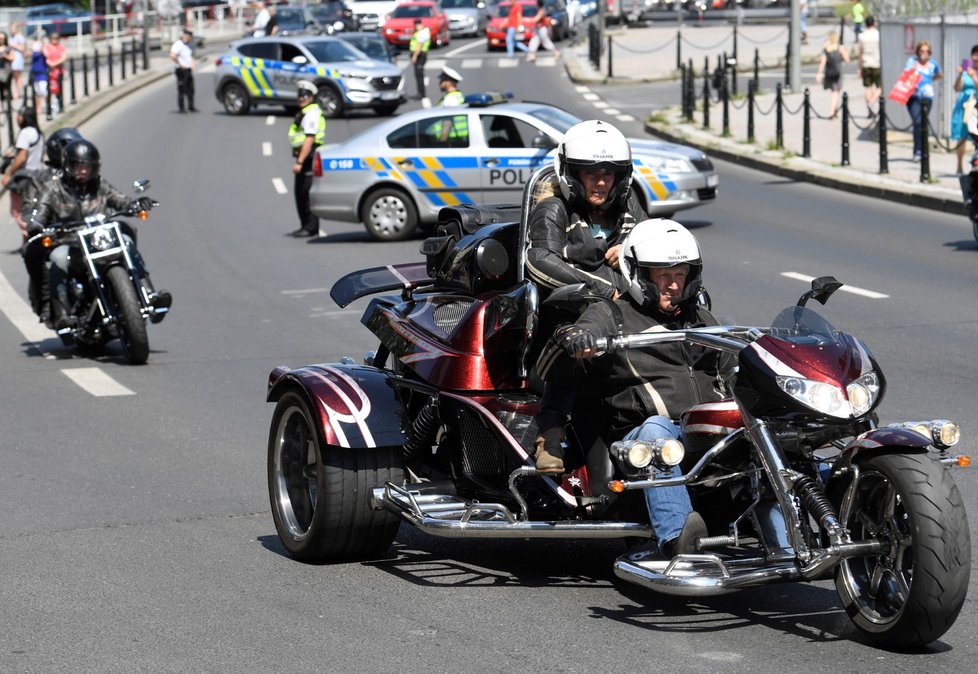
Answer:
x=905 y=86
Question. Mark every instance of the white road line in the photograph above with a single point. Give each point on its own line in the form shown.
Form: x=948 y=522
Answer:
x=612 y=111
x=96 y=382
x=471 y=64
x=625 y=118
x=279 y=186
x=872 y=294
x=305 y=291
x=434 y=64
x=507 y=62
x=266 y=149
x=581 y=89
x=20 y=314
x=591 y=97
x=339 y=312
x=600 y=105
x=270 y=120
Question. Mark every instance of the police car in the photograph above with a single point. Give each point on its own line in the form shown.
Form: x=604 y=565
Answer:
x=401 y=172
x=265 y=70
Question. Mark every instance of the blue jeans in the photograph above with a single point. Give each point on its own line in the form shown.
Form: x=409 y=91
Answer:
x=511 y=43
x=915 y=106
x=668 y=506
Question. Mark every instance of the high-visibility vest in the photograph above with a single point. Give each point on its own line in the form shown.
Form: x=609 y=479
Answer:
x=452 y=99
x=297 y=136
x=422 y=35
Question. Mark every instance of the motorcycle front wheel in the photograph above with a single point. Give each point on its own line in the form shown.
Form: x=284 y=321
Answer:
x=132 y=325
x=910 y=593
x=320 y=494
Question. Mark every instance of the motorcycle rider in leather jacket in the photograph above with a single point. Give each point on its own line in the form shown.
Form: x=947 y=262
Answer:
x=79 y=193
x=636 y=395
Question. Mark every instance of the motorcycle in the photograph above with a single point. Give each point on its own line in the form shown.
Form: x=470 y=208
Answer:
x=794 y=475
x=107 y=299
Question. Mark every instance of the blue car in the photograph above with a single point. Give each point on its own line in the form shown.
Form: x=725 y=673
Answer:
x=60 y=18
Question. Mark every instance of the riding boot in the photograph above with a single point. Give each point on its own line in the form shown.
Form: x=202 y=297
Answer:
x=550 y=450
x=160 y=300
x=63 y=322
x=688 y=540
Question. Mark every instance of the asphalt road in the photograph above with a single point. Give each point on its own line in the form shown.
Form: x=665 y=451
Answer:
x=136 y=532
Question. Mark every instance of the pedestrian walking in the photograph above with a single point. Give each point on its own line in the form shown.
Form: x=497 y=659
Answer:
x=858 y=15
x=803 y=20
x=922 y=99
x=308 y=131
x=261 y=20
x=55 y=56
x=541 y=33
x=182 y=54
x=830 y=70
x=39 y=74
x=18 y=44
x=514 y=25
x=419 y=46
x=965 y=84
x=868 y=46
x=6 y=74
x=21 y=164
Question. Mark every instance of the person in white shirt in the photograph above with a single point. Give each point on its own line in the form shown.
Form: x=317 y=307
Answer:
x=261 y=20
x=183 y=56
x=869 y=64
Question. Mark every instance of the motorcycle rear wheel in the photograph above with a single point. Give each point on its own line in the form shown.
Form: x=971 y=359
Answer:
x=320 y=493
x=132 y=326
x=910 y=593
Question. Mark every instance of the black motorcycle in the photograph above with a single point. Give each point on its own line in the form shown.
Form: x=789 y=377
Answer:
x=108 y=297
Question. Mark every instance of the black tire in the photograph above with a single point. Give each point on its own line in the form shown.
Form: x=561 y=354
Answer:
x=330 y=100
x=132 y=325
x=389 y=214
x=235 y=99
x=387 y=109
x=909 y=594
x=320 y=494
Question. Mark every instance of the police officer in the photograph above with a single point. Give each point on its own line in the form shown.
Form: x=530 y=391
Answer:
x=182 y=54
x=419 y=46
x=448 y=82
x=307 y=132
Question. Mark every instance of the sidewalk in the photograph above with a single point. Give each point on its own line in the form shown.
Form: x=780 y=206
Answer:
x=648 y=54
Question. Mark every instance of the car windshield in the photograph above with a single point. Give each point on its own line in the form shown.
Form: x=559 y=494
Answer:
x=555 y=117
x=373 y=48
x=411 y=11
x=459 y=4
x=325 y=51
x=290 y=17
x=326 y=11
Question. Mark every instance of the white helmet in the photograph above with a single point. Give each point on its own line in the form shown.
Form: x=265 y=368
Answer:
x=659 y=243
x=594 y=144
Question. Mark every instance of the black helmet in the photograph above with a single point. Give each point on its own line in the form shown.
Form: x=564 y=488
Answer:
x=79 y=154
x=56 y=143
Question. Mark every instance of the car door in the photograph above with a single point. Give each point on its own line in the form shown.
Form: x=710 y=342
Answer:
x=514 y=149
x=435 y=159
x=257 y=68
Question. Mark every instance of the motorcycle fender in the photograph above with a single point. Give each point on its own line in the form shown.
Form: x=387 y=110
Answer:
x=880 y=441
x=358 y=406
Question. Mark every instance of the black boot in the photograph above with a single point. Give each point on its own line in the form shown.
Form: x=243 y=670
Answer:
x=63 y=321
x=688 y=540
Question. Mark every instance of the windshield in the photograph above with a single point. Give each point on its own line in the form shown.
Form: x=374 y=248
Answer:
x=325 y=51
x=803 y=326
x=373 y=48
x=555 y=117
x=459 y=4
x=290 y=17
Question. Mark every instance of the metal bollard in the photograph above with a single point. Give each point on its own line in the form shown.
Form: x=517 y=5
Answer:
x=733 y=71
x=610 y=70
x=10 y=125
x=779 y=119
x=806 y=128
x=726 y=104
x=706 y=92
x=132 y=52
x=845 y=129
x=85 y=74
x=71 y=79
x=691 y=92
x=750 y=111
x=924 y=143
x=108 y=49
x=679 y=49
x=787 y=66
x=95 y=71
x=683 y=101
x=122 y=63
x=884 y=158
x=757 y=70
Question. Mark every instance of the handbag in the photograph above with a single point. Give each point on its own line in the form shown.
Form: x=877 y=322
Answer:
x=5 y=75
x=905 y=85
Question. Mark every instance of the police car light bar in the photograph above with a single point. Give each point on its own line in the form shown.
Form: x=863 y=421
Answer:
x=487 y=98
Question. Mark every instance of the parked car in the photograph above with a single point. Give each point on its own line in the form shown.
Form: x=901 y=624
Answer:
x=399 y=26
x=399 y=173
x=264 y=70
x=292 y=21
x=496 y=30
x=60 y=18
x=466 y=17
x=559 y=17
x=371 y=14
x=371 y=44
x=332 y=16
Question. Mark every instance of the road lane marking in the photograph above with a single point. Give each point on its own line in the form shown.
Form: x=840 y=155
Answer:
x=612 y=111
x=581 y=89
x=625 y=118
x=471 y=64
x=508 y=62
x=20 y=313
x=872 y=294
x=305 y=291
x=338 y=312
x=266 y=149
x=600 y=105
x=96 y=382
x=591 y=97
x=279 y=186
x=270 y=120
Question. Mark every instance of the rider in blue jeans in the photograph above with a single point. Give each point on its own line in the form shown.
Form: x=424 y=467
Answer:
x=636 y=394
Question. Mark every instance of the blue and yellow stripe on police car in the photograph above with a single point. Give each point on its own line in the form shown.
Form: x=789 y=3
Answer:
x=433 y=180
x=253 y=75
x=660 y=186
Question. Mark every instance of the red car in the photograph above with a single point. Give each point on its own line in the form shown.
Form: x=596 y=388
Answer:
x=399 y=26
x=496 y=30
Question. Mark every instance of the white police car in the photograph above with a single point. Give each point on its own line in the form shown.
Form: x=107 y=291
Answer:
x=401 y=172
x=265 y=70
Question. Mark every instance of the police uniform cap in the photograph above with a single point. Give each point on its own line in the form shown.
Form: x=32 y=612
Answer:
x=449 y=74
x=306 y=86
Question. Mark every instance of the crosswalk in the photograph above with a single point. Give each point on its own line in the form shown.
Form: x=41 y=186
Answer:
x=543 y=61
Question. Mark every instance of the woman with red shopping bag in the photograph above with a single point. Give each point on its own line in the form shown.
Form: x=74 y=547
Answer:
x=922 y=96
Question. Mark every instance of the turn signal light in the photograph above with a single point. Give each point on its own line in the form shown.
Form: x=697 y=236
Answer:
x=47 y=242
x=618 y=486
x=143 y=215
x=964 y=460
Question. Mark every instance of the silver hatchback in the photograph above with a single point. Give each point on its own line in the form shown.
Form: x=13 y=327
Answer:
x=265 y=70
x=401 y=172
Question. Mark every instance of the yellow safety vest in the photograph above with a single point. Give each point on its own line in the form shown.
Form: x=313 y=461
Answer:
x=297 y=136
x=425 y=46
x=452 y=99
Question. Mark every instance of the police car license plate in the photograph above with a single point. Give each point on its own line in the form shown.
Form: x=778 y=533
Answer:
x=388 y=95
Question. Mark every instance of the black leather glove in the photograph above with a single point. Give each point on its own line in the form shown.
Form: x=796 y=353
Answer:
x=575 y=341
x=34 y=228
x=143 y=204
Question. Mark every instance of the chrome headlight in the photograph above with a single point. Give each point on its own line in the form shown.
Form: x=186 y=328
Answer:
x=102 y=238
x=859 y=397
x=633 y=455
x=941 y=432
x=668 y=164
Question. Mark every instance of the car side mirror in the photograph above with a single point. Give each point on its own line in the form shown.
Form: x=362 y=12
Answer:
x=543 y=142
x=300 y=60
